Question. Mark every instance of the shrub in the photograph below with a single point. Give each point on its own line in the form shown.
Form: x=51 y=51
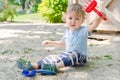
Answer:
x=52 y=10
x=8 y=11
x=35 y=5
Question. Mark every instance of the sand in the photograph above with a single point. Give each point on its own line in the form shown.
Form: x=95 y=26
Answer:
x=24 y=41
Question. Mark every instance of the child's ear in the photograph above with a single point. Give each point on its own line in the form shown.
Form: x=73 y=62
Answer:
x=83 y=19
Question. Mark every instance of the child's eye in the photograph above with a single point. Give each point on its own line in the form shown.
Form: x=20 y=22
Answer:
x=77 y=19
x=70 y=18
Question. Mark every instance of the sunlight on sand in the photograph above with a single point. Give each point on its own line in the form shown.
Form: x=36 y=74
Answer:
x=3 y=57
x=11 y=58
x=59 y=33
x=5 y=33
x=49 y=48
x=42 y=32
x=32 y=36
x=77 y=75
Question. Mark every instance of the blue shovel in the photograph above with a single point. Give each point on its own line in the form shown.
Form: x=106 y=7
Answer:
x=33 y=72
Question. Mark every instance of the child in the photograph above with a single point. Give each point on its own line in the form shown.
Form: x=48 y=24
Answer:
x=74 y=39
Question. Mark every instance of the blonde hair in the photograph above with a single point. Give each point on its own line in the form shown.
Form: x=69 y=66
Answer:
x=77 y=8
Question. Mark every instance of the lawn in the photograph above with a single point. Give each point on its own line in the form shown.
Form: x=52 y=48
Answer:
x=35 y=17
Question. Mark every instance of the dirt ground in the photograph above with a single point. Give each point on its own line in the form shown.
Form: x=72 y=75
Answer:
x=24 y=40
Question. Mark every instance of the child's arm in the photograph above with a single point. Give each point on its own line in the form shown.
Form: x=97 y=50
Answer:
x=56 y=43
x=94 y=24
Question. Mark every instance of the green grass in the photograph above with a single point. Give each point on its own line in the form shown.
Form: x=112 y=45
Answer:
x=27 y=18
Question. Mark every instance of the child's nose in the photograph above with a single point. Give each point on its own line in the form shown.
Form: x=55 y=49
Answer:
x=73 y=20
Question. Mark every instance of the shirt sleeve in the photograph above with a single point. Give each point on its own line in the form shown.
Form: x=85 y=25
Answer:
x=88 y=33
x=85 y=31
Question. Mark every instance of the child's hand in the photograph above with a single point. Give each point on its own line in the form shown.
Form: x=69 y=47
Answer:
x=45 y=42
x=54 y=43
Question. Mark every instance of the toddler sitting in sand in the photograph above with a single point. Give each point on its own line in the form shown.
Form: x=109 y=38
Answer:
x=74 y=39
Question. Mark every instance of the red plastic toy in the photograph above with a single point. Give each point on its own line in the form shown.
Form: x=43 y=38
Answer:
x=90 y=6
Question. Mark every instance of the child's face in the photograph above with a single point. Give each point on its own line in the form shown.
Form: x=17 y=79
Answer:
x=74 y=20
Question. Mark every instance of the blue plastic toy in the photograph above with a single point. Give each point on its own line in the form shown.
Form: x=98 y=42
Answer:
x=33 y=72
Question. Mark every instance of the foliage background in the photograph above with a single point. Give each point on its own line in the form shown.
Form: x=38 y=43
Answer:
x=52 y=10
